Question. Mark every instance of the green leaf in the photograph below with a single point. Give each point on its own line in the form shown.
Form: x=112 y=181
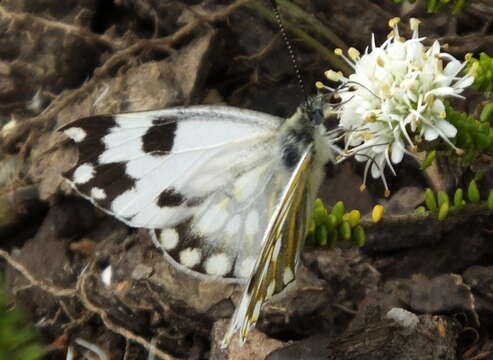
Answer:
x=359 y=235
x=345 y=231
x=420 y=210
x=321 y=235
x=486 y=112
x=319 y=215
x=458 y=198
x=331 y=222
x=443 y=212
x=338 y=211
x=430 y=200
x=473 y=192
x=442 y=198
x=490 y=200
x=428 y=159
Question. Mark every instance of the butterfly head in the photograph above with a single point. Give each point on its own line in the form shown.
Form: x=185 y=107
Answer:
x=314 y=109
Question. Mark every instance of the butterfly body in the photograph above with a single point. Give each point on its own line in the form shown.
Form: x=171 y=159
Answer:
x=226 y=193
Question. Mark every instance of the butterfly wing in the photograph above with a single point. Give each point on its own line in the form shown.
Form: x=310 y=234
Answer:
x=276 y=264
x=205 y=180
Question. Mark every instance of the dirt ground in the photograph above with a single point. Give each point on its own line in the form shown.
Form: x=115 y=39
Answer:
x=60 y=61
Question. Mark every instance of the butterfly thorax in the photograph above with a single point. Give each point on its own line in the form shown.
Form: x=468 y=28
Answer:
x=303 y=128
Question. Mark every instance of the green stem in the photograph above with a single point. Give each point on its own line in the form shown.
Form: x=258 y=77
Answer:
x=334 y=61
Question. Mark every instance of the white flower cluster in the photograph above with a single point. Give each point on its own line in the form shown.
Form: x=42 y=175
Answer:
x=393 y=100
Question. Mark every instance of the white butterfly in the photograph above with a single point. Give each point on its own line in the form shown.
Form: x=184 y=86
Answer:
x=225 y=192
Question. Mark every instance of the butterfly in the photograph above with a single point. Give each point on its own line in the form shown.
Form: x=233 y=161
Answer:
x=225 y=192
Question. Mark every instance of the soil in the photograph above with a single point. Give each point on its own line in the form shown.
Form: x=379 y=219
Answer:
x=419 y=289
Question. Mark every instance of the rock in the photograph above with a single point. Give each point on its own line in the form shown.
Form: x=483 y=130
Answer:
x=442 y=294
x=379 y=338
x=480 y=279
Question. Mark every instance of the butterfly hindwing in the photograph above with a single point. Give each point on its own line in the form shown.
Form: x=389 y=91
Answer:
x=204 y=179
x=276 y=264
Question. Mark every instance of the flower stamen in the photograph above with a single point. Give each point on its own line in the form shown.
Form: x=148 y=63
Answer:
x=393 y=102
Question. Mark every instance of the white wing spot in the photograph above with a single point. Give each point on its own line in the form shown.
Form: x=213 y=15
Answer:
x=271 y=288
x=245 y=268
x=121 y=202
x=233 y=225
x=169 y=239
x=277 y=249
x=246 y=185
x=288 y=275
x=83 y=173
x=252 y=223
x=218 y=264
x=76 y=133
x=190 y=257
x=98 y=193
x=213 y=219
x=256 y=311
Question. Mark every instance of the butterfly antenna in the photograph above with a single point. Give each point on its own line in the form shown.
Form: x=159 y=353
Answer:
x=285 y=38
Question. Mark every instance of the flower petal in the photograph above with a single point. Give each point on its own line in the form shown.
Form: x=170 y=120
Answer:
x=397 y=153
x=447 y=128
x=438 y=107
x=430 y=134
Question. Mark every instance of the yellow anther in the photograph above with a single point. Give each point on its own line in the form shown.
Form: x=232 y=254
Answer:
x=319 y=85
x=333 y=75
x=394 y=21
x=353 y=53
x=414 y=24
x=370 y=117
x=338 y=51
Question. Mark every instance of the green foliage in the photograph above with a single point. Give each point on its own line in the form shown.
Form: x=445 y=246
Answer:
x=490 y=200
x=459 y=201
x=473 y=136
x=326 y=228
x=441 y=205
x=430 y=200
x=434 y=6
x=18 y=340
x=443 y=212
x=482 y=70
x=473 y=192
x=486 y=112
x=430 y=156
x=442 y=198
